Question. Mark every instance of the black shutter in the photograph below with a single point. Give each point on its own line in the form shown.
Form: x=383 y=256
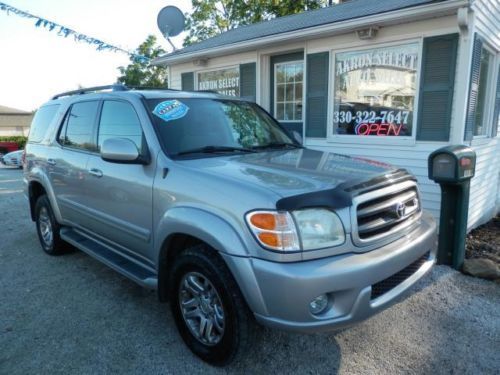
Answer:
x=187 y=81
x=317 y=94
x=496 y=112
x=436 y=88
x=473 y=88
x=248 y=81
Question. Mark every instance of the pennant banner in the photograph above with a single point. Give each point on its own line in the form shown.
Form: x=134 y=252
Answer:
x=65 y=32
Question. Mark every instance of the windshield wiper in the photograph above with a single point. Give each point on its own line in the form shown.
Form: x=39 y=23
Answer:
x=277 y=145
x=214 y=150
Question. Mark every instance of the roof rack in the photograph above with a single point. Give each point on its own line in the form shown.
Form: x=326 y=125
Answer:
x=135 y=87
x=115 y=87
x=207 y=91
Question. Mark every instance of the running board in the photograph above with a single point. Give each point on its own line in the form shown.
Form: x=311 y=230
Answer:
x=104 y=253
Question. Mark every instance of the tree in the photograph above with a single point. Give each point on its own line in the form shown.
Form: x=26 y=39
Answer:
x=212 y=17
x=141 y=73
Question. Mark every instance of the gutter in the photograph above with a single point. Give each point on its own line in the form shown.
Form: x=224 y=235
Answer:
x=401 y=15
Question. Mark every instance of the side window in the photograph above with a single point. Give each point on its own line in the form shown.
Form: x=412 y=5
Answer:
x=77 y=131
x=41 y=122
x=119 y=120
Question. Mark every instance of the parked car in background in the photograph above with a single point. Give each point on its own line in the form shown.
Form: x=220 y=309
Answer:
x=6 y=147
x=13 y=159
x=210 y=201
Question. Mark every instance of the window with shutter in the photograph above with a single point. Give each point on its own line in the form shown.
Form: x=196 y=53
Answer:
x=436 y=88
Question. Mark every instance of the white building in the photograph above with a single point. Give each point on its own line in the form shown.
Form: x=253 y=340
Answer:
x=390 y=80
x=14 y=122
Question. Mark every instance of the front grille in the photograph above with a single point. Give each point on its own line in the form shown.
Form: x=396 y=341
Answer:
x=383 y=214
x=391 y=282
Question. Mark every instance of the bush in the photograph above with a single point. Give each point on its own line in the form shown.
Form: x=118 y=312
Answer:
x=19 y=139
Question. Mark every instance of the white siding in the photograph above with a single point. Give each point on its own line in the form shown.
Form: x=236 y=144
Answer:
x=485 y=184
x=487 y=20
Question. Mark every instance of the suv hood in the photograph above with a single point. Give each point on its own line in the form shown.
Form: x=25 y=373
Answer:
x=293 y=172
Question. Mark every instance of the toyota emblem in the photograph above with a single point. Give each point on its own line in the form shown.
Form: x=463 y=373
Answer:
x=400 y=210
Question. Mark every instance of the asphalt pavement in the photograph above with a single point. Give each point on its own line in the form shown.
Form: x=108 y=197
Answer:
x=72 y=315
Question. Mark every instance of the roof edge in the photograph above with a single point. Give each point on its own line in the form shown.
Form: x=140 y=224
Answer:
x=405 y=14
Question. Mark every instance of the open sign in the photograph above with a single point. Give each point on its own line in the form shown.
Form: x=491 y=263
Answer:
x=382 y=129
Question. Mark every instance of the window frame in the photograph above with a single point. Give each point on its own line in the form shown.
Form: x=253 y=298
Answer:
x=275 y=82
x=65 y=120
x=356 y=139
x=214 y=69
x=144 y=145
x=489 y=103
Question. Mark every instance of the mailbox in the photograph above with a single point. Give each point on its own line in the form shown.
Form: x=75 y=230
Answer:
x=452 y=164
x=452 y=167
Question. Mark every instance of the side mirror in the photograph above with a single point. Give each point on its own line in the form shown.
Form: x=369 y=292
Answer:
x=297 y=136
x=120 y=150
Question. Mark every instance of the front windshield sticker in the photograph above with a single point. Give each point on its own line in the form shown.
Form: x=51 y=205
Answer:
x=171 y=110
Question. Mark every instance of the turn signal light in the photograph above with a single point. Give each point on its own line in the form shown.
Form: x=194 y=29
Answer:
x=274 y=230
x=264 y=221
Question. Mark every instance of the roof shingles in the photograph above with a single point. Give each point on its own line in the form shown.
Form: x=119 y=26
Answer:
x=342 y=12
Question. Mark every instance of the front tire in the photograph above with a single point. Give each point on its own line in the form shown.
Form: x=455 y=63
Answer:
x=48 y=228
x=210 y=313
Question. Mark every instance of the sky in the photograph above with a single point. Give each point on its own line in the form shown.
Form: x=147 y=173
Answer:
x=36 y=64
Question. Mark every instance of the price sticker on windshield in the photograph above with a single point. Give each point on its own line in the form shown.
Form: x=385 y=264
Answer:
x=170 y=110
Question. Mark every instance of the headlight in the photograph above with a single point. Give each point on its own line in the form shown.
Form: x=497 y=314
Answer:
x=319 y=228
x=274 y=230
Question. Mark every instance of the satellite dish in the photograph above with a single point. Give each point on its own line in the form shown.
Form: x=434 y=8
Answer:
x=170 y=21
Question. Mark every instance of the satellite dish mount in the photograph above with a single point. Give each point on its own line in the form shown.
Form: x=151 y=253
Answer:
x=171 y=22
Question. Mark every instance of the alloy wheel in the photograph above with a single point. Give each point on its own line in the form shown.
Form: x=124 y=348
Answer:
x=45 y=227
x=201 y=308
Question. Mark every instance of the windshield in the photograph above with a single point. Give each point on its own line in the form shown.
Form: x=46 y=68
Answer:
x=215 y=125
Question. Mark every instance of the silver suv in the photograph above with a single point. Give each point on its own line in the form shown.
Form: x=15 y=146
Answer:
x=208 y=200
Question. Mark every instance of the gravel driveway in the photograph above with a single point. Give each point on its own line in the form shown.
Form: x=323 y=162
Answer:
x=70 y=314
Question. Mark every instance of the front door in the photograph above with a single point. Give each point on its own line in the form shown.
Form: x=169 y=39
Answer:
x=287 y=89
x=120 y=195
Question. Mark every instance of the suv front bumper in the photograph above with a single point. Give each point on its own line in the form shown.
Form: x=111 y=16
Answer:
x=279 y=293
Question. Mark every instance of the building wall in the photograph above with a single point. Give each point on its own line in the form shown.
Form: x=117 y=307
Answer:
x=14 y=124
x=410 y=154
x=485 y=186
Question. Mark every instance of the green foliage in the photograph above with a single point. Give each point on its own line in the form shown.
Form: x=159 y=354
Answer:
x=142 y=73
x=212 y=17
x=19 y=139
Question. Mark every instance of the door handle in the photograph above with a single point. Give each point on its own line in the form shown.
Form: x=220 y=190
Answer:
x=95 y=172
x=51 y=161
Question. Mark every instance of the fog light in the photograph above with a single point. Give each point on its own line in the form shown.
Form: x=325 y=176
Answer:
x=319 y=304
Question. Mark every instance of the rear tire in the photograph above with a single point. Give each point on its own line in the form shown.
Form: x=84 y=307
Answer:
x=48 y=228
x=209 y=310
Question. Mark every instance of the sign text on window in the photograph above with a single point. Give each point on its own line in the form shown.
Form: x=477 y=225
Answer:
x=375 y=91
x=223 y=81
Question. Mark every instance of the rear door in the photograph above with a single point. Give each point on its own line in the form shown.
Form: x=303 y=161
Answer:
x=120 y=195
x=67 y=165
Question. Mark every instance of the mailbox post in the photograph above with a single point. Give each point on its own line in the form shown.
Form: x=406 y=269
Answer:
x=452 y=167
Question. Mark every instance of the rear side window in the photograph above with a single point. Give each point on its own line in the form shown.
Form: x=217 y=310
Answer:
x=78 y=128
x=41 y=121
x=119 y=120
